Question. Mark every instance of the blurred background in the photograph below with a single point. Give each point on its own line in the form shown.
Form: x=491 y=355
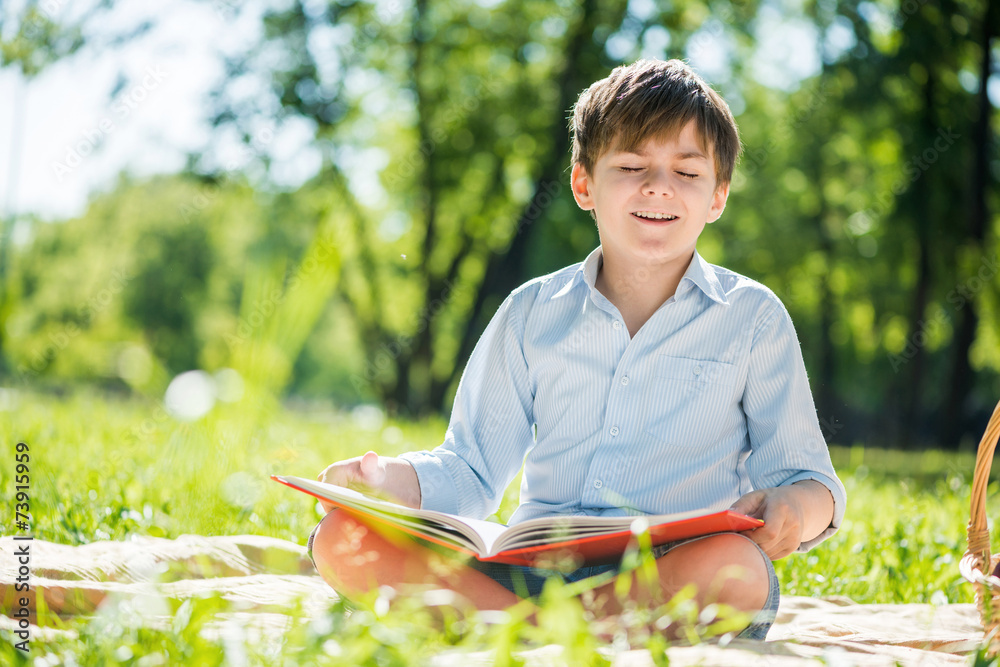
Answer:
x=325 y=202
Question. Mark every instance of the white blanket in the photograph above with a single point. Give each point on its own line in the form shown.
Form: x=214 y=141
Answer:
x=264 y=577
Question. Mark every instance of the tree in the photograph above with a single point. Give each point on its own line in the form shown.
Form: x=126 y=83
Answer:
x=33 y=37
x=982 y=181
x=141 y=287
x=465 y=108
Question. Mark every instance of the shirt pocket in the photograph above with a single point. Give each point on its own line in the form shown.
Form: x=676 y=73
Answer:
x=689 y=400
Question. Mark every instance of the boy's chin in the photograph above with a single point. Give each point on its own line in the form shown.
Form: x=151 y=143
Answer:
x=660 y=255
x=647 y=252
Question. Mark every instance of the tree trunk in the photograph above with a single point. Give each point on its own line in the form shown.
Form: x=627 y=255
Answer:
x=921 y=205
x=960 y=385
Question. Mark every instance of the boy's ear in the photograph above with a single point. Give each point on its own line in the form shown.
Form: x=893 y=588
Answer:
x=581 y=184
x=718 y=202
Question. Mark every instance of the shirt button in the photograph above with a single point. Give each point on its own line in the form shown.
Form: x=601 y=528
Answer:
x=617 y=325
x=697 y=370
x=614 y=430
x=625 y=380
x=598 y=483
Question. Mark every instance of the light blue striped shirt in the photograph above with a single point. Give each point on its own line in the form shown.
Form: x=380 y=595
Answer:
x=707 y=402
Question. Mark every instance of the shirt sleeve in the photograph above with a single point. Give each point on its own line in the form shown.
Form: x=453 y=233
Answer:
x=490 y=430
x=786 y=441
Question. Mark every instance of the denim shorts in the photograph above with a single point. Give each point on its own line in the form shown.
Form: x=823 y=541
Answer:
x=529 y=581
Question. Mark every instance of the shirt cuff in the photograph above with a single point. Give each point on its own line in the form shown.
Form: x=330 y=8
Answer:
x=437 y=488
x=839 y=502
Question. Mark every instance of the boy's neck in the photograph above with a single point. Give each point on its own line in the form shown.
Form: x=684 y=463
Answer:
x=637 y=290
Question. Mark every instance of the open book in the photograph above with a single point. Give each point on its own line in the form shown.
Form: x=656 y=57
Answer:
x=544 y=540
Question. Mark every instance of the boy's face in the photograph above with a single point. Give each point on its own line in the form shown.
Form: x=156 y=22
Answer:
x=651 y=205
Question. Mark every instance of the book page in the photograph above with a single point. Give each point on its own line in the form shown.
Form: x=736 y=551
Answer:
x=479 y=536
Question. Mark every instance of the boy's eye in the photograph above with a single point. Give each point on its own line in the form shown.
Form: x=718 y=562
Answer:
x=686 y=175
x=631 y=169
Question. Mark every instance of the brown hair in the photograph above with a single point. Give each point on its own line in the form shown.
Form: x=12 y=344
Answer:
x=647 y=99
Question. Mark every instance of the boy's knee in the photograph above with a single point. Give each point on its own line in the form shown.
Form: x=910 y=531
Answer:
x=323 y=539
x=332 y=526
x=745 y=577
x=342 y=546
x=728 y=569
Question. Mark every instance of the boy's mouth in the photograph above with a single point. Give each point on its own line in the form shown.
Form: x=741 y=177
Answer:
x=654 y=215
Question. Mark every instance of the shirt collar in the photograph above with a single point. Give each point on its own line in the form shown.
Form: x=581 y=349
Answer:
x=591 y=266
x=585 y=273
x=702 y=274
x=699 y=273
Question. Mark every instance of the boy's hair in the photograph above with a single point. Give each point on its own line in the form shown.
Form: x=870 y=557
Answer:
x=652 y=99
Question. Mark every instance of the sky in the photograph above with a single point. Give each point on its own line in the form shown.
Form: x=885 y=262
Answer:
x=75 y=137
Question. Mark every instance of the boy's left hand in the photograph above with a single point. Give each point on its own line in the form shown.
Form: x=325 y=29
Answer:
x=792 y=515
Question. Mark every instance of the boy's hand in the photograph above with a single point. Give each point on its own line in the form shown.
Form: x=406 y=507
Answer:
x=381 y=476
x=792 y=515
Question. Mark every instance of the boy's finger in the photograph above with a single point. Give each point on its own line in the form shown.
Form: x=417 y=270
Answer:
x=762 y=541
x=749 y=503
x=777 y=538
x=341 y=474
x=766 y=536
x=779 y=548
x=372 y=470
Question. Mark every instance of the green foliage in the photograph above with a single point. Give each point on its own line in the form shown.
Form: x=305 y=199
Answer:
x=167 y=291
x=31 y=39
x=169 y=275
x=866 y=199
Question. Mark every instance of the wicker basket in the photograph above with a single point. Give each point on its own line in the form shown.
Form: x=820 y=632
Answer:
x=977 y=566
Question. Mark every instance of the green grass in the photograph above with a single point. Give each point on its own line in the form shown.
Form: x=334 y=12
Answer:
x=105 y=468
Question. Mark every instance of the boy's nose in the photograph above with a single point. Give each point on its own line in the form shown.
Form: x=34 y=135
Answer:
x=658 y=184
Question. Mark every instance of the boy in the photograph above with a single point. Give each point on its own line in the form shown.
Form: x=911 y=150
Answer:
x=642 y=380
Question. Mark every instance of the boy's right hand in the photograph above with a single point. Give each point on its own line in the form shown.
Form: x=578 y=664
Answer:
x=382 y=476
